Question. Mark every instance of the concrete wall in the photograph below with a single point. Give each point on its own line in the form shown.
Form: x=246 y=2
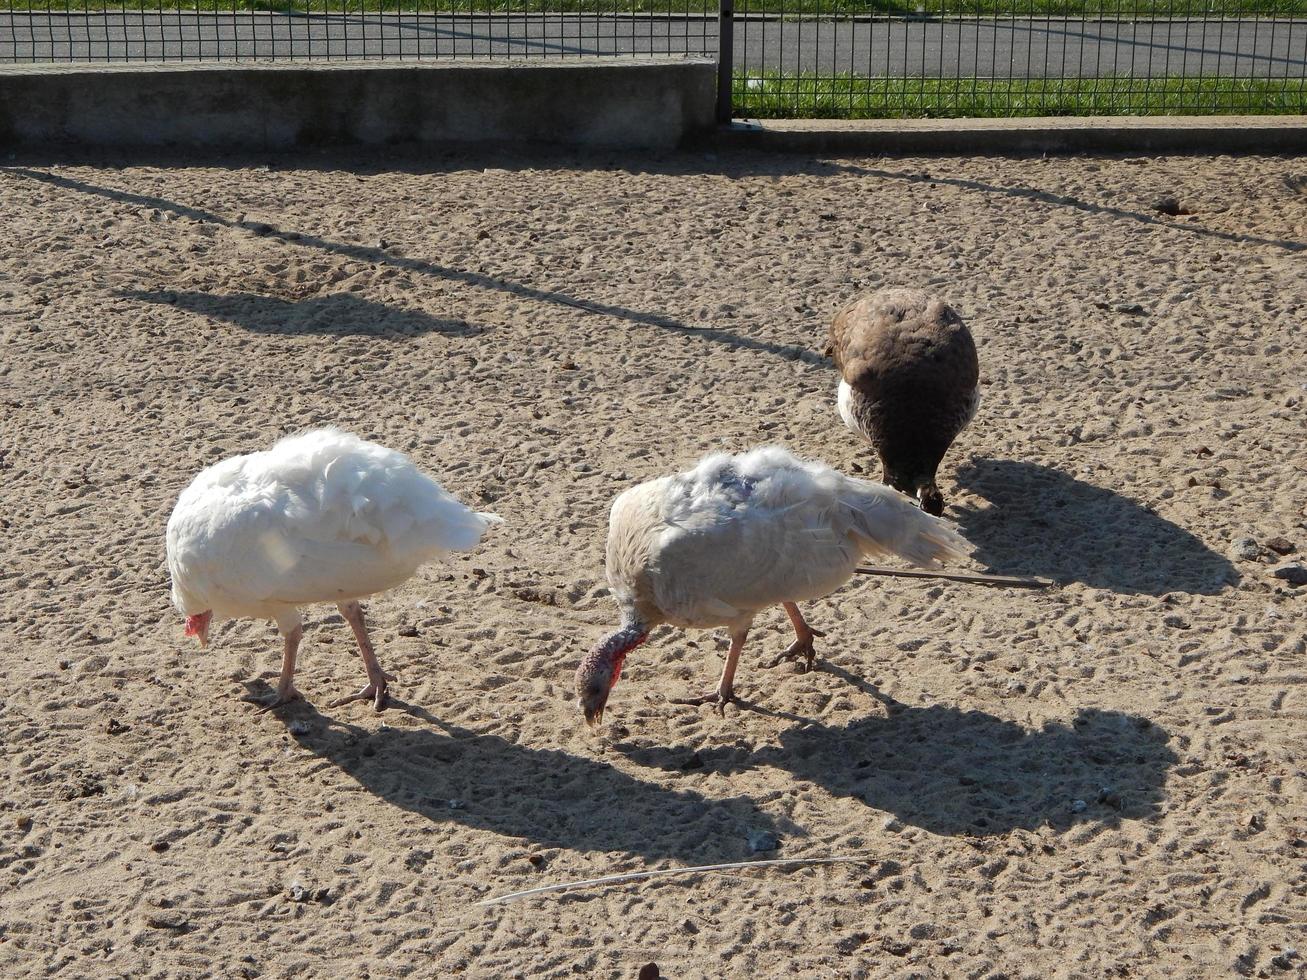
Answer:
x=655 y=104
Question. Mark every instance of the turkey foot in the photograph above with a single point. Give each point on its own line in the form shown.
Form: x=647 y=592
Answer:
x=291 y=632
x=803 y=635
x=278 y=700
x=378 y=694
x=725 y=693
x=800 y=648
x=719 y=699
x=376 y=688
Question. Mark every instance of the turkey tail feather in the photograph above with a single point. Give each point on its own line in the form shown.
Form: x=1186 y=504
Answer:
x=885 y=522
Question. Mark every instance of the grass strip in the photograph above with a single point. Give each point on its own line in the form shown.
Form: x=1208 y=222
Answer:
x=780 y=95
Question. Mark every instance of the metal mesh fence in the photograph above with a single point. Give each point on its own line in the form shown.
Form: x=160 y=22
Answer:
x=869 y=58
x=799 y=58
x=332 y=30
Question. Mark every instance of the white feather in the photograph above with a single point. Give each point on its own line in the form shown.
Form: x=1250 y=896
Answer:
x=320 y=517
x=972 y=408
x=844 y=402
x=716 y=544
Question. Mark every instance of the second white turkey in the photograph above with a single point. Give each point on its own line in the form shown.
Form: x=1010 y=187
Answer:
x=716 y=544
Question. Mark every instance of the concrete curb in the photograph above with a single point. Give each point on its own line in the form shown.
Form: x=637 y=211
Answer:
x=1116 y=134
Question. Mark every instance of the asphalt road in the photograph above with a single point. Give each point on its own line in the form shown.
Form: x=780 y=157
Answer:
x=1020 y=48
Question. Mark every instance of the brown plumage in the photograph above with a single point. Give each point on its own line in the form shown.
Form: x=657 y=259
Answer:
x=909 y=383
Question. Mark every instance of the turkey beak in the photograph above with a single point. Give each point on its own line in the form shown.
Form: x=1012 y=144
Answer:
x=203 y=635
x=594 y=716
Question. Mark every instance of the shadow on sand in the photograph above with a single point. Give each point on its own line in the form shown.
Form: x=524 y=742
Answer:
x=336 y=314
x=956 y=772
x=419 y=159
x=1046 y=522
x=450 y=774
x=419 y=266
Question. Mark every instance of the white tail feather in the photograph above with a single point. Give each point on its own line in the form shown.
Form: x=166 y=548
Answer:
x=885 y=522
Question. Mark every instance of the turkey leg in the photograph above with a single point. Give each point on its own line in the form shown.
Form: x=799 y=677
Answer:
x=286 y=692
x=376 y=686
x=725 y=692
x=802 y=646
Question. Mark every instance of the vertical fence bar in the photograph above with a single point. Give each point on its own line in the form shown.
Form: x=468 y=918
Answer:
x=725 y=58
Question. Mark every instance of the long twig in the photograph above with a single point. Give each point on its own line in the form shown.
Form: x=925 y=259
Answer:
x=976 y=578
x=657 y=872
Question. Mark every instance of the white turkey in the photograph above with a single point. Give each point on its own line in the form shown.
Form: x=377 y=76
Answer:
x=320 y=517
x=909 y=383
x=715 y=545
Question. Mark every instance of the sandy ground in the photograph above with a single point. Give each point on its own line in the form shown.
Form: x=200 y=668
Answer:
x=1105 y=779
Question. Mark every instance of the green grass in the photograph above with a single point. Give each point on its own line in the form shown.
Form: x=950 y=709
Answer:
x=791 y=8
x=773 y=95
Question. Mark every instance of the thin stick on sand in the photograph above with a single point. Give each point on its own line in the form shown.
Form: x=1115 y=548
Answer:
x=658 y=872
x=1012 y=581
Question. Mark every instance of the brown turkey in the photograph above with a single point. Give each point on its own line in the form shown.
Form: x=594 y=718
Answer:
x=909 y=383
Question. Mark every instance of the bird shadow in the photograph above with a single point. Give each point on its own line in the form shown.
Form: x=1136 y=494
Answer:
x=962 y=773
x=449 y=774
x=335 y=314
x=1043 y=521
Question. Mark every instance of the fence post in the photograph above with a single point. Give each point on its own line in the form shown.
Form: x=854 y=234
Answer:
x=725 y=58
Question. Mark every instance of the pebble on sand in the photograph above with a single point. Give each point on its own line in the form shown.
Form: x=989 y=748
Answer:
x=1111 y=797
x=164 y=919
x=1245 y=549
x=1294 y=572
x=1170 y=205
x=849 y=945
x=762 y=840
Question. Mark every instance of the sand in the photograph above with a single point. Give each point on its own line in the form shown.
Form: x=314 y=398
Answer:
x=1103 y=779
